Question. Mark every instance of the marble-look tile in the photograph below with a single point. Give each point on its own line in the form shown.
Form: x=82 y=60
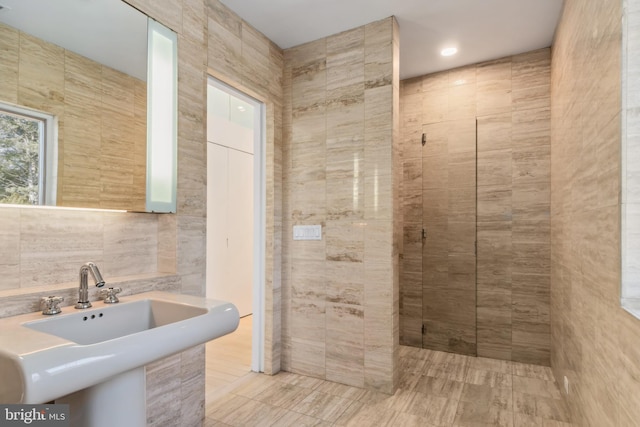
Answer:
x=587 y=105
x=54 y=244
x=461 y=135
x=379 y=372
x=345 y=241
x=435 y=105
x=494 y=75
x=253 y=413
x=441 y=387
x=531 y=164
x=299 y=380
x=344 y=283
x=83 y=78
x=495 y=204
x=282 y=394
x=345 y=344
x=532 y=97
x=167 y=244
x=345 y=59
x=291 y=418
x=163 y=391
x=471 y=413
x=130 y=244
x=533 y=371
x=210 y=422
x=10 y=59
x=10 y=248
x=544 y=407
x=531 y=201
x=490 y=378
x=322 y=405
x=438 y=410
x=466 y=75
x=192 y=405
x=531 y=127
x=340 y=151
x=307 y=357
x=531 y=69
x=379 y=53
x=461 y=171
x=35 y=90
x=462 y=102
x=494 y=168
x=536 y=387
x=225 y=47
x=488 y=396
x=449 y=326
x=378 y=200
x=494 y=132
x=117 y=91
x=494 y=102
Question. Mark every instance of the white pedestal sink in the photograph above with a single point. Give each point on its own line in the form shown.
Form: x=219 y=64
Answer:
x=94 y=359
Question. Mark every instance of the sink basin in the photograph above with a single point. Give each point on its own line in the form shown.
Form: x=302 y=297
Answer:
x=115 y=321
x=43 y=358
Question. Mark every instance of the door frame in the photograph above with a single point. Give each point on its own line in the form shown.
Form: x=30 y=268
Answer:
x=259 y=220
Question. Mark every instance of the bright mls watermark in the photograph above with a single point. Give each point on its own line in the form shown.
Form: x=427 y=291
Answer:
x=34 y=415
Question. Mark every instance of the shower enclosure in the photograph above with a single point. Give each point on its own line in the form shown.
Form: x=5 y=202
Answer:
x=475 y=255
x=440 y=238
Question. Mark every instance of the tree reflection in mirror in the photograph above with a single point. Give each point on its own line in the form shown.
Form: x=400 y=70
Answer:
x=21 y=148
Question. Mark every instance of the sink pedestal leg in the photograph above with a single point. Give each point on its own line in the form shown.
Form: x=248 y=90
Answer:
x=119 y=401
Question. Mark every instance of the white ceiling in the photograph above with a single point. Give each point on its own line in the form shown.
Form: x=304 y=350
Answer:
x=106 y=31
x=480 y=29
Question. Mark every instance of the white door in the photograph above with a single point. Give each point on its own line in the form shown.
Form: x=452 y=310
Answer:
x=230 y=213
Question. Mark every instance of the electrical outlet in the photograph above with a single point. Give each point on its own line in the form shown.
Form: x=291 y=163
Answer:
x=566 y=385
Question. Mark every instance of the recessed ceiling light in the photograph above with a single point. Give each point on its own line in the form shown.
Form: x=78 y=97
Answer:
x=449 y=51
x=241 y=108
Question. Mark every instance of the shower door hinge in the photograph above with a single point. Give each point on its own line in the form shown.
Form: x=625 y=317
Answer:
x=475 y=248
x=423 y=329
x=424 y=233
x=424 y=139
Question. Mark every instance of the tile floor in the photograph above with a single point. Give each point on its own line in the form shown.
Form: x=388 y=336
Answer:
x=436 y=389
x=228 y=359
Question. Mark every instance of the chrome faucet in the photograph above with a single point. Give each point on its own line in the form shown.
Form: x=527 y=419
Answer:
x=83 y=299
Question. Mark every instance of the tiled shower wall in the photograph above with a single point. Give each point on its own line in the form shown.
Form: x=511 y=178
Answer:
x=595 y=342
x=339 y=294
x=511 y=101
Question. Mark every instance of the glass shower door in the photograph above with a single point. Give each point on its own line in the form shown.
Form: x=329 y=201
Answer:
x=449 y=236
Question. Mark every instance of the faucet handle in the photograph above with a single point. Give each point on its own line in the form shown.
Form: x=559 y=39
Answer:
x=109 y=295
x=49 y=304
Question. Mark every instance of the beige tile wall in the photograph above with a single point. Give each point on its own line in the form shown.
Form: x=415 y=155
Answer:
x=102 y=116
x=339 y=294
x=175 y=386
x=242 y=57
x=510 y=99
x=214 y=40
x=45 y=246
x=594 y=341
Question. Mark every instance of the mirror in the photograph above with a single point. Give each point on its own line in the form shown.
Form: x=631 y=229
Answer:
x=76 y=70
